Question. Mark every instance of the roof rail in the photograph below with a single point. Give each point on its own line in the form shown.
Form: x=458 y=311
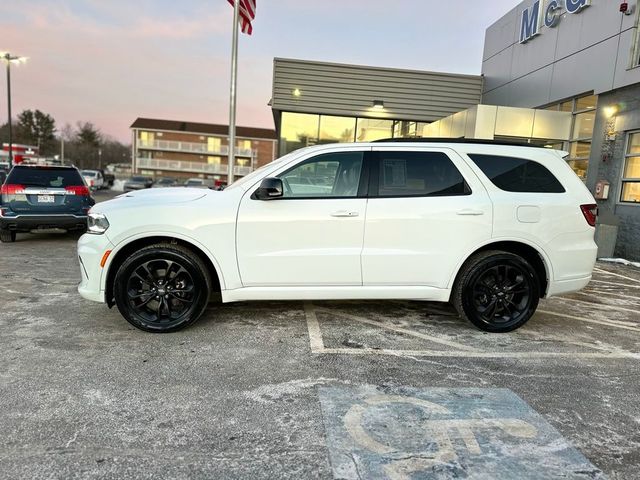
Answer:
x=455 y=140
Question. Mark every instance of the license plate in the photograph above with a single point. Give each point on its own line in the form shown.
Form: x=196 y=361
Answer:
x=46 y=199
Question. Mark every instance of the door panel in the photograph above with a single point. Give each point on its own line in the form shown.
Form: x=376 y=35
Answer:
x=314 y=234
x=300 y=242
x=419 y=240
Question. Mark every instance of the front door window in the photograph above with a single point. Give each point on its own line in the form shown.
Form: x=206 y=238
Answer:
x=326 y=176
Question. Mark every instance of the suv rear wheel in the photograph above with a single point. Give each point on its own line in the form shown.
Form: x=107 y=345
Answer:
x=7 y=236
x=162 y=288
x=496 y=291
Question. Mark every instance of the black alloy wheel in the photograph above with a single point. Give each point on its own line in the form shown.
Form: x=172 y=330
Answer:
x=7 y=236
x=162 y=288
x=497 y=291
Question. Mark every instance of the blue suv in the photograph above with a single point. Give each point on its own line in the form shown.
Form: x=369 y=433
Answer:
x=39 y=197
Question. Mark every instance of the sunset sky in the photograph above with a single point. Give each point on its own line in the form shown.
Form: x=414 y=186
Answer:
x=109 y=62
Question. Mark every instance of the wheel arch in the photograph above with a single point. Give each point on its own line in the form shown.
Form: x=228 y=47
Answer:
x=533 y=254
x=123 y=250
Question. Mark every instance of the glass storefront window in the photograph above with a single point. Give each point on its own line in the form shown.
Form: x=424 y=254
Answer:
x=634 y=144
x=370 y=129
x=580 y=167
x=586 y=103
x=298 y=130
x=579 y=158
x=337 y=129
x=566 y=106
x=583 y=125
x=631 y=173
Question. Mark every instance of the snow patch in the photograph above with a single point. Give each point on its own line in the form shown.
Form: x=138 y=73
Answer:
x=621 y=261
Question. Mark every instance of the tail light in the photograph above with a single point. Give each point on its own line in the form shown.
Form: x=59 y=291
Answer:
x=590 y=212
x=92 y=184
x=77 y=190
x=12 y=189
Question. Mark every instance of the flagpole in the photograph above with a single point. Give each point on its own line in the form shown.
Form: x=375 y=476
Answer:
x=232 y=100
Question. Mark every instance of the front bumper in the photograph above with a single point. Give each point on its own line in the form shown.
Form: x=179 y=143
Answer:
x=26 y=223
x=91 y=249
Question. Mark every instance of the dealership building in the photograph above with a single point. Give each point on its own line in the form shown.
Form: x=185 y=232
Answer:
x=580 y=58
x=558 y=74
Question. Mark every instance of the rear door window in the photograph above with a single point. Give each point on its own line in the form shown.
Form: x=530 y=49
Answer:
x=45 y=177
x=418 y=174
x=514 y=174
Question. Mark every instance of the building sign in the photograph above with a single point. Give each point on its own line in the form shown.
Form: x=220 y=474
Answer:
x=546 y=13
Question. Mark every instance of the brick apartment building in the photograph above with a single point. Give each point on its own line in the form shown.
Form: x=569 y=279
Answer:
x=188 y=149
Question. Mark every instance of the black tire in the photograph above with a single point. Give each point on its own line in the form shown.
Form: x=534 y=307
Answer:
x=496 y=291
x=162 y=288
x=7 y=236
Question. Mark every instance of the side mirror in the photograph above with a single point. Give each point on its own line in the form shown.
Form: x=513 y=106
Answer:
x=269 y=189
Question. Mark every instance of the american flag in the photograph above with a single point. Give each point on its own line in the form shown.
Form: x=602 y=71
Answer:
x=247 y=14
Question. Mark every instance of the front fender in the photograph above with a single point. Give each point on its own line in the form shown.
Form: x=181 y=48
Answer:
x=123 y=242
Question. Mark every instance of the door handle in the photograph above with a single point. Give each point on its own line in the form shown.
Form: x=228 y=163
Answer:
x=469 y=211
x=344 y=213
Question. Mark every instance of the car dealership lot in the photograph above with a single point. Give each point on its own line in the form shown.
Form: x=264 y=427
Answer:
x=383 y=389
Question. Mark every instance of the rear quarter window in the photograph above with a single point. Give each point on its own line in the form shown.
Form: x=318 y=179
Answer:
x=513 y=174
x=45 y=177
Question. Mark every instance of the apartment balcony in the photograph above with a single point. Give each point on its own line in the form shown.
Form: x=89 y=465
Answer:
x=193 y=147
x=194 y=167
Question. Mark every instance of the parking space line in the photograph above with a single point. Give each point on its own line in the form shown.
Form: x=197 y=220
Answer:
x=317 y=343
x=478 y=354
x=608 y=323
x=394 y=328
x=606 y=272
x=593 y=304
x=315 y=334
x=616 y=284
x=605 y=293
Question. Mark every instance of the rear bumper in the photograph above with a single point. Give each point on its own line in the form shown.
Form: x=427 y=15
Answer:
x=25 y=223
x=567 y=286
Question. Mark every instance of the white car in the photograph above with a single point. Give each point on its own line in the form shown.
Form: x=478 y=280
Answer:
x=490 y=228
x=93 y=179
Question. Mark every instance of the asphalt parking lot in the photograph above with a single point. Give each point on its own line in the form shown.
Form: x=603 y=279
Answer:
x=312 y=390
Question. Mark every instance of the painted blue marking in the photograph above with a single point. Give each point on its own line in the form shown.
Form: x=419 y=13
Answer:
x=408 y=433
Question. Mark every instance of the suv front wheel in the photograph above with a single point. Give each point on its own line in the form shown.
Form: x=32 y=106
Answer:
x=496 y=291
x=162 y=288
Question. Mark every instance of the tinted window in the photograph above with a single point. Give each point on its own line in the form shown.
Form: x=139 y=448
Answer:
x=404 y=174
x=45 y=177
x=328 y=175
x=517 y=174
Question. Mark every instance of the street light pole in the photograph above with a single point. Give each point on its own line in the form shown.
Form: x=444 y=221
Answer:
x=9 y=59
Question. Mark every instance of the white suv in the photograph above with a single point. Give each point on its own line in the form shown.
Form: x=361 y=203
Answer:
x=489 y=227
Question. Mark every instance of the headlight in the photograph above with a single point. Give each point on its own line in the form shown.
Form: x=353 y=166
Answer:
x=97 y=223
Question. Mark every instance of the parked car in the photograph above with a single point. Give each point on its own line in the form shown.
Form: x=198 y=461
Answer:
x=37 y=197
x=491 y=228
x=93 y=179
x=137 y=183
x=109 y=178
x=165 y=182
x=200 y=183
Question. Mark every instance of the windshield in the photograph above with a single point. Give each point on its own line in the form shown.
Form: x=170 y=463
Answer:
x=89 y=173
x=246 y=180
x=138 y=179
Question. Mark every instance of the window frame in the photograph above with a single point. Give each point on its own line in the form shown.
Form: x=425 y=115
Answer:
x=374 y=176
x=624 y=179
x=362 y=184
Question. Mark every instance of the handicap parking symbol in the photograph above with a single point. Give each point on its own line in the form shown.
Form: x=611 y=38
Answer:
x=439 y=433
